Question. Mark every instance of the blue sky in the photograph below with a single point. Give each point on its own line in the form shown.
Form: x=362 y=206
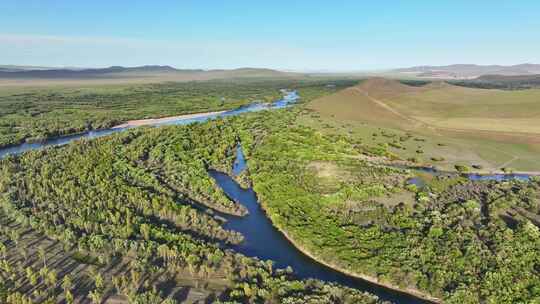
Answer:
x=300 y=35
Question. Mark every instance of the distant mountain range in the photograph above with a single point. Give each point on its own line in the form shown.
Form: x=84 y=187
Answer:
x=43 y=72
x=33 y=74
x=24 y=72
x=468 y=71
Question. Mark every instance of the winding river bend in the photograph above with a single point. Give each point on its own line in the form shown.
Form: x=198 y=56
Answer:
x=262 y=239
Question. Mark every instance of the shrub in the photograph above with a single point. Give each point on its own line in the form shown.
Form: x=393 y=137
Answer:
x=413 y=159
x=462 y=168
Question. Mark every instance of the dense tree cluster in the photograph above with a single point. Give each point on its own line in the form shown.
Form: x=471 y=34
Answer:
x=113 y=199
x=126 y=215
x=520 y=82
x=36 y=114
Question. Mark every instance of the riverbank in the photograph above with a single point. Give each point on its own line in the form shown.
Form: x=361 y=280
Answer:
x=373 y=280
x=317 y=258
x=153 y=121
x=25 y=145
x=370 y=279
x=127 y=124
x=262 y=239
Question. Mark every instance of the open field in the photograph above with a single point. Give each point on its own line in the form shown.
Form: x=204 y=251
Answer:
x=450 y=124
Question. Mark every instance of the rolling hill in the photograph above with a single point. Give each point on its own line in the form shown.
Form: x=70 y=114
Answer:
x=441 y=105
x=357 y=103
x=504 y=120
x=45 y=73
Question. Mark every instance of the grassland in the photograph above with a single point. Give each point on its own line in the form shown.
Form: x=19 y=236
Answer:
x=449 y=125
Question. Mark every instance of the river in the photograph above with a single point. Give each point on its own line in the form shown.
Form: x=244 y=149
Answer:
x=289 y=98
x=262 y=240
x=420 y=182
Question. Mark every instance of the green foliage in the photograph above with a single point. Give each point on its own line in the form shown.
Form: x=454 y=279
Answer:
x=38 y=114
x=462 y=168
x=453 y=244
x=437 y=158
x=143 y=199
x=42 y=113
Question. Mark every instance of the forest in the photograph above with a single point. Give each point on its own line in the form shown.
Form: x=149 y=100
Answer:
x=135 y=217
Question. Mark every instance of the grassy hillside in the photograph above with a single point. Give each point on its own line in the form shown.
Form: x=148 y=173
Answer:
x=493 y=127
